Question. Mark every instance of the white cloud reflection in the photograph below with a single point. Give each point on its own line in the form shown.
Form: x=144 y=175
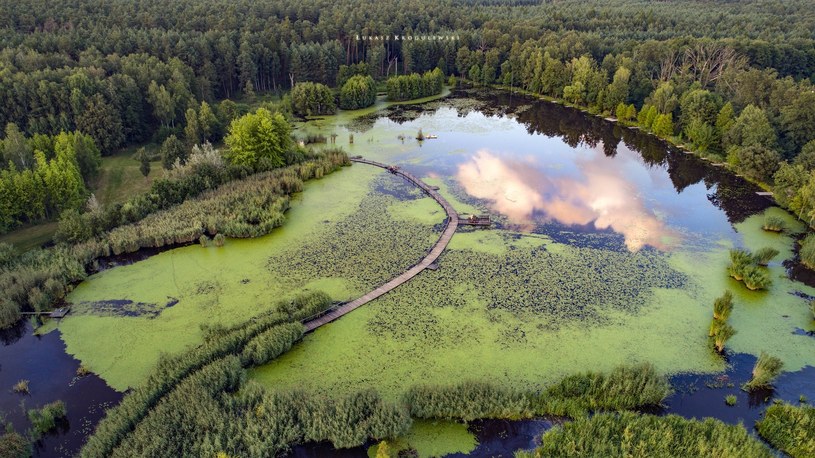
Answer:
x=522 y=189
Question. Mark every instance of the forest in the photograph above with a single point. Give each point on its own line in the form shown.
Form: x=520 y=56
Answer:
x=734 y=82
x=212 y=90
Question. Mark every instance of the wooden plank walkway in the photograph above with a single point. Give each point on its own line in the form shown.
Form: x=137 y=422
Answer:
x=451 y=224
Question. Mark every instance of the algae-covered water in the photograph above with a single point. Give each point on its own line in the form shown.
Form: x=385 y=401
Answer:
x=608 y=248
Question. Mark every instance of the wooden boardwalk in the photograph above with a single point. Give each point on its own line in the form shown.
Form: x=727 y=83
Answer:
x=451 y=224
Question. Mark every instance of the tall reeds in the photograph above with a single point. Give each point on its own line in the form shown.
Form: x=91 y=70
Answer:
x=765 y=371
x=720 y=331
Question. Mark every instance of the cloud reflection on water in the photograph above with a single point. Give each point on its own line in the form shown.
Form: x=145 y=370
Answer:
x=524 y=190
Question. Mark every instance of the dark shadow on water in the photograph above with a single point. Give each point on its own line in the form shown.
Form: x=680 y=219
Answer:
x=52 y=376
x=323 y=449
x=502 y=438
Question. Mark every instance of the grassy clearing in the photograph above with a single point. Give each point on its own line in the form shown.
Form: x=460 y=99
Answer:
x=120 y=178
x=630 y=434
x=26 y=238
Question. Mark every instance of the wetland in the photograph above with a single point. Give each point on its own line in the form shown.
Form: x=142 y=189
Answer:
x=608 y=247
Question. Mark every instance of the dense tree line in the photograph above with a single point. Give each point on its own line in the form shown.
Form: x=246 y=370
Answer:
x=414 y=86
x=122 y=71
x=45 y=175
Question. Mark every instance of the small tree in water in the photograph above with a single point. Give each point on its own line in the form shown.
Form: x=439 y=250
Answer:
x=420 y=135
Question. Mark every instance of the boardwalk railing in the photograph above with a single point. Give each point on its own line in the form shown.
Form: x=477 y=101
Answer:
x=451 y=225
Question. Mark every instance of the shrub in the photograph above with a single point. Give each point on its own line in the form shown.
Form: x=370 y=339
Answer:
x=45 y=419
x=763 y=256
x=21 y=387
x=773 y=224
x=13 y=445
x=789 y=429
x=767 y=368
x=730 y=399
x=631 y=434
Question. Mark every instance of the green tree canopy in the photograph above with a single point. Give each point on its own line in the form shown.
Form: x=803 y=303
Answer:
x=310 y=99
x=358 y=92
x=259 y=135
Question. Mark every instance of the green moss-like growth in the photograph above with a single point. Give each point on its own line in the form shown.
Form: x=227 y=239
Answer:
x=763 y=256
x=45 y=419
x=630 y=434
x=730 y=399
x=790 y=429
x=773 y=224
x=767 y=368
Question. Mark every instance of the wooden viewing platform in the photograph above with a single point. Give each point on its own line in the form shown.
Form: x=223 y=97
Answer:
x=476 y=220
x=451 y=224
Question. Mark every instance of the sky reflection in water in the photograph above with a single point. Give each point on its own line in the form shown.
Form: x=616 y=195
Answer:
x=553 y=165
x=598 y=192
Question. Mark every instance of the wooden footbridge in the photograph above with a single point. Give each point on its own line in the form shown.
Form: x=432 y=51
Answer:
x=451 y=224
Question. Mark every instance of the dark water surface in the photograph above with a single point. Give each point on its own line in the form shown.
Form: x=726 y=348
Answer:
x=52 y=376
